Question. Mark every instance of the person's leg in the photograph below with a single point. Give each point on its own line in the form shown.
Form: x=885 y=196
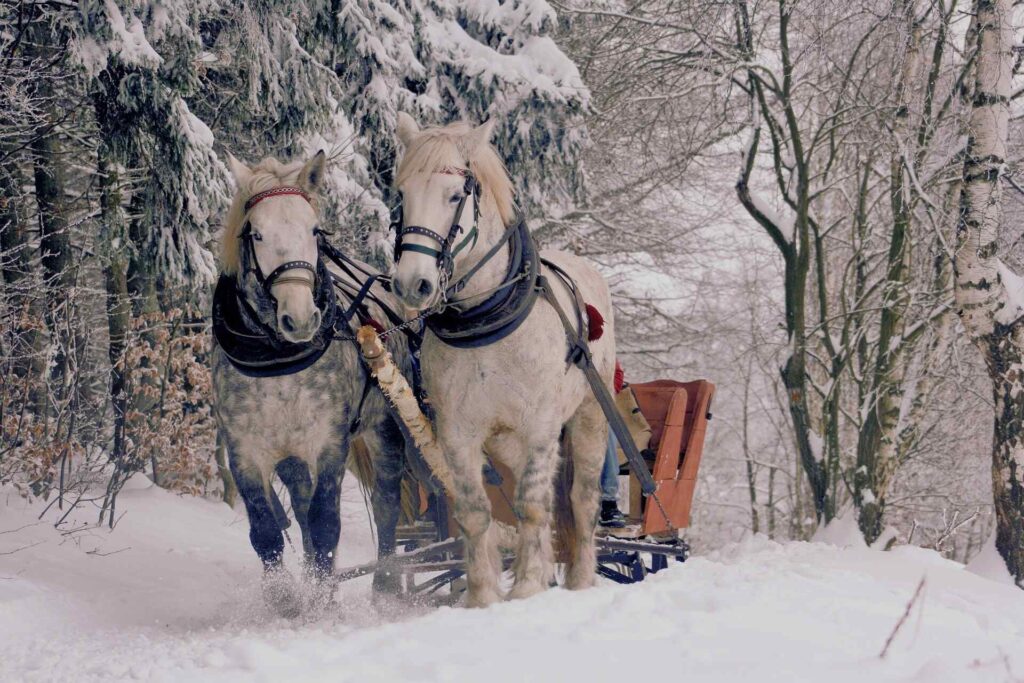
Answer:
x=610 y=514
x=610 y=472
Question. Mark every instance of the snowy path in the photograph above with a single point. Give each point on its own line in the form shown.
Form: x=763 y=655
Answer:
x=179 y=602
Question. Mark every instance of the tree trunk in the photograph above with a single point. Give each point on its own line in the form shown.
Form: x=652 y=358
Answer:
x=115 y=269
x=992 y=315
x=57 y=259
x=25 y=306
x=755 y=525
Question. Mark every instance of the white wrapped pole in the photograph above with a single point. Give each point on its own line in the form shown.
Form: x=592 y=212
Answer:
x=397 y=390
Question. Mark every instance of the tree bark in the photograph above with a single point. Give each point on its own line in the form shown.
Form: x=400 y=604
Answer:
x=115 y=269
x=877 y=440
x=55 y=245
x=24 y=305
x=992 y=315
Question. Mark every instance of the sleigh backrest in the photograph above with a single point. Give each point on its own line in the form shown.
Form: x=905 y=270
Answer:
x=678 y=413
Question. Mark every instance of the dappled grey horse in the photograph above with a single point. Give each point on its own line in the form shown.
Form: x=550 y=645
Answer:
x=289 y=395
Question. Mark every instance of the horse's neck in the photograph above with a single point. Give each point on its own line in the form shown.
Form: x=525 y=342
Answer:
x=492 y=273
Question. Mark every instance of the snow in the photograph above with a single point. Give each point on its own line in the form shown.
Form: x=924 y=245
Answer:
x=784 y=224
x=129 y=38
x=990 y=564
x=540 y=65
x=177 y=599
x=1013 y=285
x=841 y=532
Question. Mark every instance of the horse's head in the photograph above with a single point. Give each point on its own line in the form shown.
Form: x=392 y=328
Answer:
x=447 y=177
x=270 y=243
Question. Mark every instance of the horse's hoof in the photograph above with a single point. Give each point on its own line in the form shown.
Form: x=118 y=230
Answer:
x=481 y=598
x=526 y=589
x=281 y=594
x=577 y=581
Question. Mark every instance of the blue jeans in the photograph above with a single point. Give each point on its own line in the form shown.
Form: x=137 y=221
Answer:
x=610 y=472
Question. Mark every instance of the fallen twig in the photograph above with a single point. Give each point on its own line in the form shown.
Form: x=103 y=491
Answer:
x=903 y=619
x=97 y=553
x=24 y=547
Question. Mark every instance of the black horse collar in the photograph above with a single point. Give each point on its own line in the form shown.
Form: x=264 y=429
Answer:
x=258 y=350
x=503 y=312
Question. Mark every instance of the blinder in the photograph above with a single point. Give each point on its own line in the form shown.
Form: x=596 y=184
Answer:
x=448 y=250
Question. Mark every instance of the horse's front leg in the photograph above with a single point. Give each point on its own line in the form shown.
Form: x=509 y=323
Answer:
x=325 y=511
x=472 y=511
x=279 y=589
x=533 y=567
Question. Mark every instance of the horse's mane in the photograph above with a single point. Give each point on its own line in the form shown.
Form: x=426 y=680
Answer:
x=445 y=147
x=265 y=175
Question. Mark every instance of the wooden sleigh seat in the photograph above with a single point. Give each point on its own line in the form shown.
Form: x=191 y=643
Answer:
x=678 y=413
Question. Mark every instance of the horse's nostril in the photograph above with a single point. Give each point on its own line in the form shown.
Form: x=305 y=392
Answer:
x=314 y=322
x=287 y=323
x=424 y=288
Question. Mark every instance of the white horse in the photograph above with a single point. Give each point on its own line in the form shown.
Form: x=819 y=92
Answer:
x=514 y=397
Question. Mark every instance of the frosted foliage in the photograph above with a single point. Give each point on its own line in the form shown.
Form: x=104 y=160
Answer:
x=188 y=79
x=472 y=60
x=142 y=57
x=287 y=79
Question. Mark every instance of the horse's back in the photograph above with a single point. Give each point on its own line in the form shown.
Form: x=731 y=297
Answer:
x=591 y=283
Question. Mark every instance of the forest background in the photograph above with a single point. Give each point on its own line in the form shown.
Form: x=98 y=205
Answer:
x=804 y=201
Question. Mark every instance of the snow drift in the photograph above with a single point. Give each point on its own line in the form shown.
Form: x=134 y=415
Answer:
x=172 y=594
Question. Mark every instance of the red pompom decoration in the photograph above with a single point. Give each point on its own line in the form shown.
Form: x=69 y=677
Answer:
x=595 y=324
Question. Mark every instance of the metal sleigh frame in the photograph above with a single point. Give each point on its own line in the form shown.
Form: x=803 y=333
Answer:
x=677 y=412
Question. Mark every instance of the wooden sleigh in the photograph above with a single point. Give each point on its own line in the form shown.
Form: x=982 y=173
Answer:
x=676 y=413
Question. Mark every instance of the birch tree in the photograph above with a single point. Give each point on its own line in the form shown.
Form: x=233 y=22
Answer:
x=989 y=296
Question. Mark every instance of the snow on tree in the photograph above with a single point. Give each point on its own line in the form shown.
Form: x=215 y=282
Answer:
x=989 y=297
x=142 y=74
x=466 y=60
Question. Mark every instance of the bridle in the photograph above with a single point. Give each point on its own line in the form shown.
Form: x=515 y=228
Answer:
x=448 y=250
x=277 y=276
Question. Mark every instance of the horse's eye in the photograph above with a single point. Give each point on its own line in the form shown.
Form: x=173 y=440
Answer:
x=456 y=198
x=256 y=236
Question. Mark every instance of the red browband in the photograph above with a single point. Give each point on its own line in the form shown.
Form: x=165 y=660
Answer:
x=452 y=170
x=275 y=192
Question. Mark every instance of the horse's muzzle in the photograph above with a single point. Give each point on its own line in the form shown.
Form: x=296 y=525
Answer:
x=416 y=296
x=297 y=331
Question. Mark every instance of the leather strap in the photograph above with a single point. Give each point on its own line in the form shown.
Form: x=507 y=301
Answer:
x=276 y=192
x=579 y=352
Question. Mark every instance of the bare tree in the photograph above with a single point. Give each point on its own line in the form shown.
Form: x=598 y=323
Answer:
x=990 y=297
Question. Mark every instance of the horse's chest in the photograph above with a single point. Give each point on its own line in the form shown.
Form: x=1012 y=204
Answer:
x=282 y=418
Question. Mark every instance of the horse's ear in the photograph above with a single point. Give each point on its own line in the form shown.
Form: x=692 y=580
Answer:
x=408 y=129
x=481 y=135
x=311 y=177
x=240 y=171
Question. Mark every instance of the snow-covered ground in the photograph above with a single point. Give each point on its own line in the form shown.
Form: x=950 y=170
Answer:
x=172 y=595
